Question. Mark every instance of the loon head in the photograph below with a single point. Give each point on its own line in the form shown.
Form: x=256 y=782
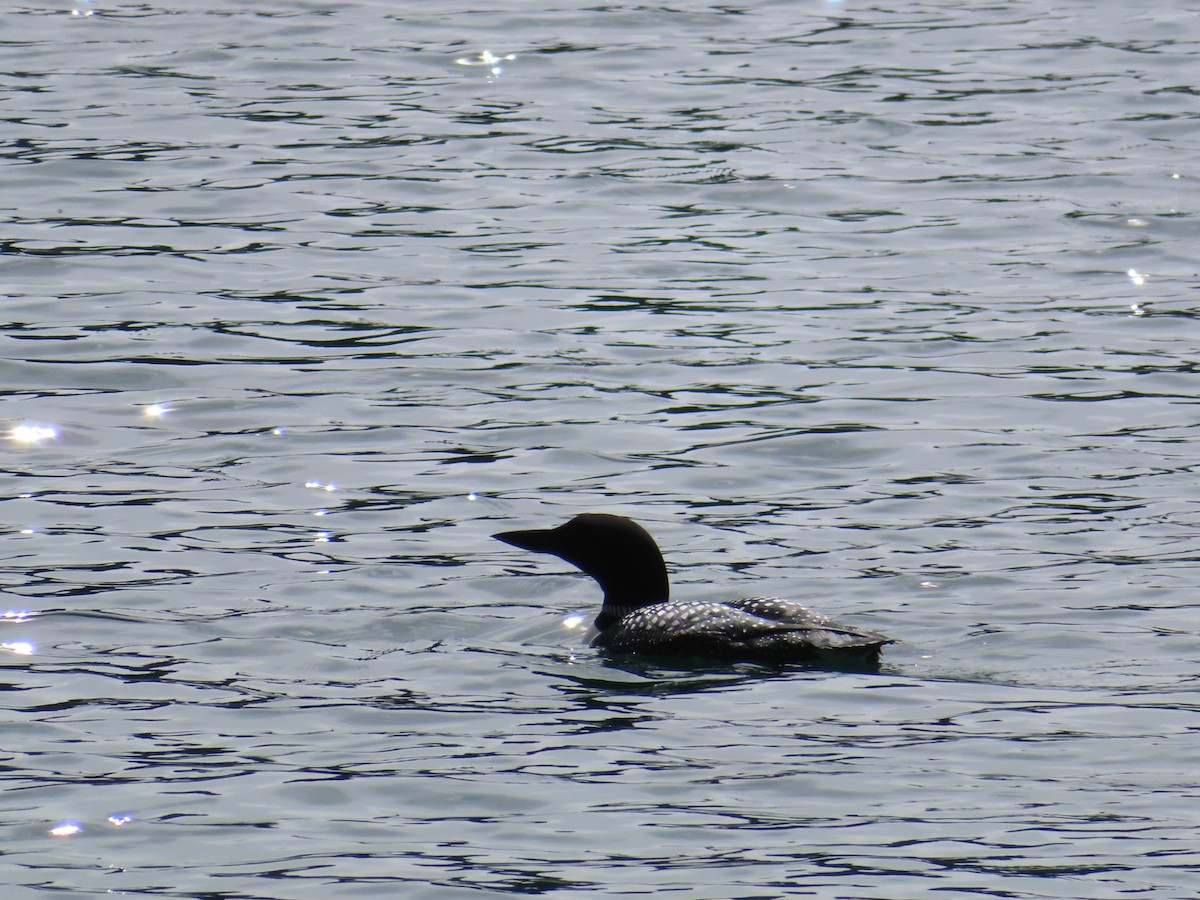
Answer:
x=618 y=552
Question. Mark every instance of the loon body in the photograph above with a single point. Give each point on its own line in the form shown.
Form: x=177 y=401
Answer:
x=638 y=615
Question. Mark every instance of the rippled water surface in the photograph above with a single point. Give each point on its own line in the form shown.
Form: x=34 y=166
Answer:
x=886 y=307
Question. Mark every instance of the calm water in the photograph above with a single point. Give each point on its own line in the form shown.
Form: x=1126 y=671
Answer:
x=888 y=307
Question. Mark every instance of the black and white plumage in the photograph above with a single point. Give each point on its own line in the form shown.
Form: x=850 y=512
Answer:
x=638 y=616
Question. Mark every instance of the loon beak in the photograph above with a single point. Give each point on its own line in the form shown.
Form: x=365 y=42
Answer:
x=539 y=540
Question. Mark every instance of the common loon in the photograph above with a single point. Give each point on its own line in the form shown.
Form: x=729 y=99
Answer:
x=638 y=617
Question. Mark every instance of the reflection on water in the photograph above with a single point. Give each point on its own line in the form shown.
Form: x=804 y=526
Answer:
x=882 y=309
x=31 y=433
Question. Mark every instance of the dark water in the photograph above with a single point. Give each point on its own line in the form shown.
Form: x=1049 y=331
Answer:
x=890 y=308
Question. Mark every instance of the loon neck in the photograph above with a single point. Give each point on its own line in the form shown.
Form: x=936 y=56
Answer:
x=615 y=609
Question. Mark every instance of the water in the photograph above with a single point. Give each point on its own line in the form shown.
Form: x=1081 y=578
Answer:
x=885 y=307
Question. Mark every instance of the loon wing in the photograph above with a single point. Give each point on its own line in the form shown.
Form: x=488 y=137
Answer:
x=779 y=610
x=797 y=615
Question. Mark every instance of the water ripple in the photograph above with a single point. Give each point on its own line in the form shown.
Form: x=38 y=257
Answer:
x=883 y=308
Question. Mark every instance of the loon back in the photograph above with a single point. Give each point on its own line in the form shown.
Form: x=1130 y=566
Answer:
x=637 y=615
x=766 y=629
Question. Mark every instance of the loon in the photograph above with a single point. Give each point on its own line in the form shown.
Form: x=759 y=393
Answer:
x=638 y=617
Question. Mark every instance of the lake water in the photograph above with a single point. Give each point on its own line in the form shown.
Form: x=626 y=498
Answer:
x=886 y=307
